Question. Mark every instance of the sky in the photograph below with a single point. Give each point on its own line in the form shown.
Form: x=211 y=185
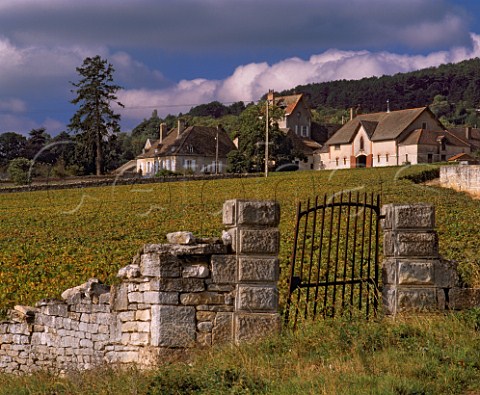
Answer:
x=171 y=55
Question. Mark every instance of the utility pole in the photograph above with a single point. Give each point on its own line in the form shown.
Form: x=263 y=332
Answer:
x=216 y=151
x=269 y=97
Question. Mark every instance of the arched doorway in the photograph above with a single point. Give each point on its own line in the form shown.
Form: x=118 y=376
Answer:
x=361 y=161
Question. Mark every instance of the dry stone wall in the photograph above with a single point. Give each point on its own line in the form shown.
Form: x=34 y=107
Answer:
x=172 y=297
x=464 y=178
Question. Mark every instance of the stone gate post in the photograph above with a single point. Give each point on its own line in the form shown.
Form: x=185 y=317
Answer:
x=253 y=228
x=415 y=278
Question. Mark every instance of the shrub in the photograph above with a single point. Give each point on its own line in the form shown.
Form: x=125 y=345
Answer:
x=19 y=171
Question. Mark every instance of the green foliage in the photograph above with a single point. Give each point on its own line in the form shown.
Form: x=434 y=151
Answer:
x=95 y=120
x=12 y=145
x=19 y=171
x=251 y=140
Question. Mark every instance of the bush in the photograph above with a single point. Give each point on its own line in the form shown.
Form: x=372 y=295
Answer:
x=19 y=171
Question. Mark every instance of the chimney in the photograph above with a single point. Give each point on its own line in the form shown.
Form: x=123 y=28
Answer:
x=468 y=132
x=271 y=95
x=180 y=127
x=163 y=131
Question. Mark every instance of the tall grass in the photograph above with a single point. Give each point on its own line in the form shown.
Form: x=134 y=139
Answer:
x=423 y=355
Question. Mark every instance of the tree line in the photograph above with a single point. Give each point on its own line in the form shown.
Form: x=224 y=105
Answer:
x=452 y=91
x=95 y=144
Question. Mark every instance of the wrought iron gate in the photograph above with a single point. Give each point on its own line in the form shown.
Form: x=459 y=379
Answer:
x=334 y=264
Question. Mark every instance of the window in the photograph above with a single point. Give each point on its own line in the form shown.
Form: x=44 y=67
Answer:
x=344 y=160
x=430 y=158
x=386 y=157
x=424 y=125
x=304 y=131
x=336 y=161
x=406 y=158
x=362 y=144
x=337 y=147
x=296 y=130
x=378 y=158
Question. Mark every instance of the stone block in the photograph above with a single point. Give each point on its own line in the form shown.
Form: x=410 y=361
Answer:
x=135 y=297
x=224 y=269
x=58 y=309
x=220 y=288
x=229 y=211
x=416 y=244
x=142 y=315
x=196 y=271
x=204 y=326
x=446 y=275
x=204 y=339
x=222 y=331
x=139 y=339
x=388 y=243
x=181 y=238
x=257 y=298
x=255 y=326
x=259 y=241
x=389 y=271
x=168 y=298
x=252 y=269
x=414 y=216
x=416 y=300
x=150 y=264
x=129 y=272
x=205 y=315
x=181 y=285
x=464 y=298
x=125 y=316
x=265 y=213
x=415 y=273
x=199 y=298
x=118 y=297
x=389 y=299
x=173 y=326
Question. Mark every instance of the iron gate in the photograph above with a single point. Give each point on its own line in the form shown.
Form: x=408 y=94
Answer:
x=334 y=264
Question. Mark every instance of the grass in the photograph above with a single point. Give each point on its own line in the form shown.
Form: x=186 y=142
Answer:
x=423 y=355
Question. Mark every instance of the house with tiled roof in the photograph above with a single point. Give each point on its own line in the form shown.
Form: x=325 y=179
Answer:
x=296 y=123
x=390 y=139
x=192 y=150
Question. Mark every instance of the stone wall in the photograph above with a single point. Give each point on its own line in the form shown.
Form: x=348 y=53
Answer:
x=191 y=292
x=461 y=178
x=415 y=277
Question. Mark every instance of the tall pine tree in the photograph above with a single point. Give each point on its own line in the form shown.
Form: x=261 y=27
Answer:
x=95 y=120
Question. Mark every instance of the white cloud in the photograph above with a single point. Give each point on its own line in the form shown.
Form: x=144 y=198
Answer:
x=249 y=82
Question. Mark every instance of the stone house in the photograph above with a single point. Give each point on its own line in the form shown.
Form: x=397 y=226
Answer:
x=193 y=149
x=390 y=139
x=297 y=126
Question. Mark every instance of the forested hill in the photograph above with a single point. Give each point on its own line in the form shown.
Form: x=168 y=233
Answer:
x=459 y=84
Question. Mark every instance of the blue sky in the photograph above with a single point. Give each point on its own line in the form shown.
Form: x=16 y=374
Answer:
x=170 y=55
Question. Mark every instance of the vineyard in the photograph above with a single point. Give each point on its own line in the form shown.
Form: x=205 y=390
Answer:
x=53 y=240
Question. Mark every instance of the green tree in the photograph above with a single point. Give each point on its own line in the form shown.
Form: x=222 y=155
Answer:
x=251 y=139
x=95 y=120
x=12 y=145
x=19 y=171
x=36 y=144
